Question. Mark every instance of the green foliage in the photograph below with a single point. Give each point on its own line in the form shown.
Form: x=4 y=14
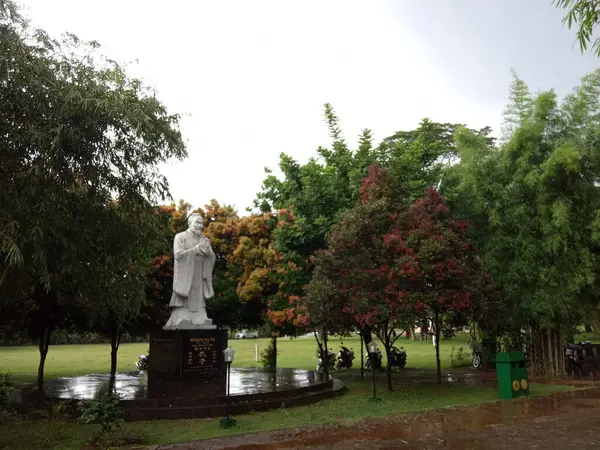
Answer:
x=104 y=410
x=585 y=14
x=513 y=341
x=6 y=388
x=80 y=143
x=311 y=198
x=318 y=191
x=519 y=108
x=416 y=159
x=534 y=203
x=268 y=357
x=530 y=189
x=53 y=411
x=458 y=358
x=96 y=133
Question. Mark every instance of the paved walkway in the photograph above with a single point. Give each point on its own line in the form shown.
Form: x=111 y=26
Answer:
x=561 y=421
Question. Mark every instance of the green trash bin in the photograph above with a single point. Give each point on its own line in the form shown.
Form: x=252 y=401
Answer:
x=511 y=370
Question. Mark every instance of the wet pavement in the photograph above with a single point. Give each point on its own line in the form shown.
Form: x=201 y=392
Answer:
x=134 y=385
x=566 y=420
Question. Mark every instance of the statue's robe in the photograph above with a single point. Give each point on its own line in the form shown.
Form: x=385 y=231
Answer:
x=192 y=279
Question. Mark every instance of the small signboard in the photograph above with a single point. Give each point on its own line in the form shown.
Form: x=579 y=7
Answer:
x=201 y=354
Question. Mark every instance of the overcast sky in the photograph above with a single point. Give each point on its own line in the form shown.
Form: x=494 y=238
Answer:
x=253 y=75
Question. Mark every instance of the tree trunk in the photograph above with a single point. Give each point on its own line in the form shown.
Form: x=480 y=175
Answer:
x=320 y=349
x=540 y=368
x=558 y=356
x=436 y=330
x=366 y=334
x=115 y=340
x=325 y=354
x=388 y=370
x=43 y=345
x=362 y=358
x=561 y=353
x=549 y=363
x=557 y=352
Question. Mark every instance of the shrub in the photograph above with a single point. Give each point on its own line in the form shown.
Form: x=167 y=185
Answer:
x=53 y=411
x=6 y=388
x=120 y=439
x=458 y=358
x=268 y=357
x=104 y=410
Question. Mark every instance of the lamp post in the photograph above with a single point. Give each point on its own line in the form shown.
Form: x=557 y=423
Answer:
x=228 y=422
x=372 y=349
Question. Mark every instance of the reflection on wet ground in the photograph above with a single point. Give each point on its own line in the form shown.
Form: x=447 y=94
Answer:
x=134 y=385
x=566 y=420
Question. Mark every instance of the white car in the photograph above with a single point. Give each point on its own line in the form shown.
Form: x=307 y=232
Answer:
x=246 y=334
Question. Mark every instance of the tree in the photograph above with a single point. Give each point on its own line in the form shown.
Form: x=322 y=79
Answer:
x=535 y=203
x=436 y=267
x=416 y=159
x=76 y=133
x=114 y=307
x=520 y=106
x=252 y=262
x=225 y=230
x=392 y=264
x=354 y=267
x=266 y=278
x=585 y=14
x=317 y=192
x=315 y=195
x=323 y=306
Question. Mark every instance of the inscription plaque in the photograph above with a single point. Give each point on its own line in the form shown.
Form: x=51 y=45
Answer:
x=187 y=354
x=201 y=355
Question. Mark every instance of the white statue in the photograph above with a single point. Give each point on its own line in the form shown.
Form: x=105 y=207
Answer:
x=192 y=278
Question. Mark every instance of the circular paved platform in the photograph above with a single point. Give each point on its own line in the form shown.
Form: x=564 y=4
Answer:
x=251 y=390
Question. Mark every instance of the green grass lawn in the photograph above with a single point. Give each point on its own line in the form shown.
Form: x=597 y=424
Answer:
x=68 y=360
x=300 y=353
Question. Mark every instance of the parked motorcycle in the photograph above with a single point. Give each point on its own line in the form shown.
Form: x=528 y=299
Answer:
x=574 y=356
x=378 y=361
x=477 y=350
x=330 y=360
x=344 y=358
x=477 y=358
x=398 y=357
x=142 y=363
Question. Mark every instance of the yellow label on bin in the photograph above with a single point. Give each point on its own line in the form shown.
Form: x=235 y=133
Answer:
x=524 y=384
x=516 y=385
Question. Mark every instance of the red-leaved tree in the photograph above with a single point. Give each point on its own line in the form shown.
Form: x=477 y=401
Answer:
x=435 y=267
x=392 y=263
x=357 y=263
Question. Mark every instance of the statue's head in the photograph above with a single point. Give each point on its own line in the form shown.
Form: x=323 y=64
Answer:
x=195 y=223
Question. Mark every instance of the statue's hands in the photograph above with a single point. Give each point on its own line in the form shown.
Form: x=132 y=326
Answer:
x=202 y=249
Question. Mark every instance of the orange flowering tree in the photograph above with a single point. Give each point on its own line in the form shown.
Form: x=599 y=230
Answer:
x=243 y=245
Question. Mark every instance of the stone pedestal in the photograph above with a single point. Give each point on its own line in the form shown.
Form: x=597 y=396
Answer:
x=187 y=355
